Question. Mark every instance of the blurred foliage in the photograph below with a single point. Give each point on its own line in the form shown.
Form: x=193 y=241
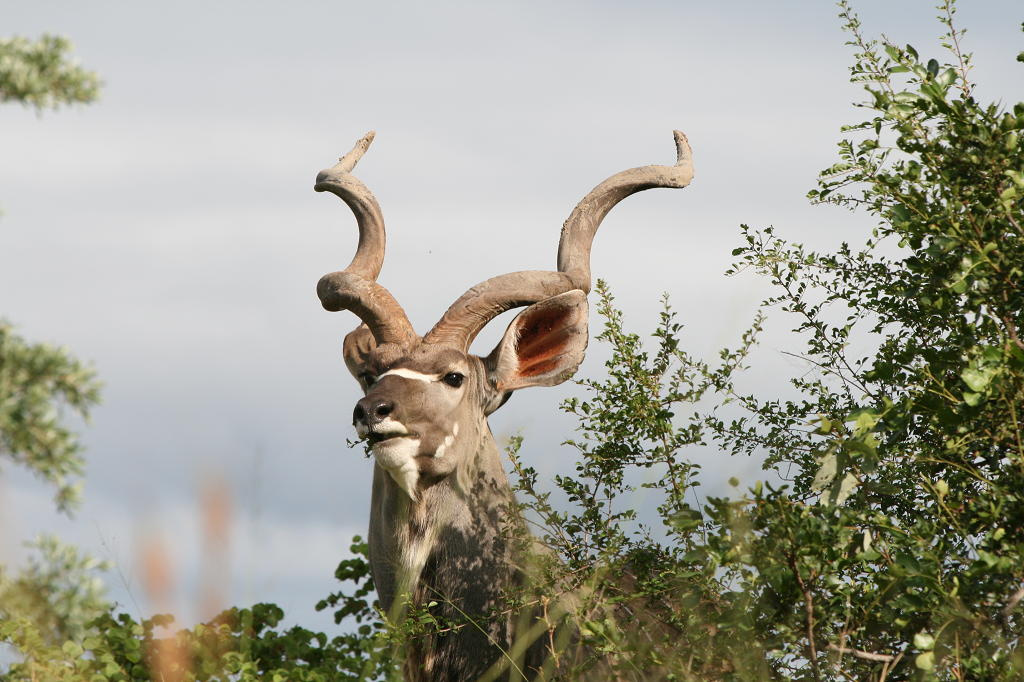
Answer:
x=892 y=546
x=36 y=382
x=239 y=645
x=40 y=73
x=50 y=603
x=59 y=591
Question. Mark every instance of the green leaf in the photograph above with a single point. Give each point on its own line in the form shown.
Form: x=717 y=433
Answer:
x=900 y=213
x=864 y=420
x=685 y=519
x=988 y=558
x=845 y=488
x=924 y=641
x=901 y=110
x=72 y=649
x=1012 y=139
x=826 y=471
x=977 y=379
x=925 y=661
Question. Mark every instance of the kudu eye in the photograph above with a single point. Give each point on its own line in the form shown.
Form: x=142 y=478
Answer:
x=368 y=379
x=453 y=379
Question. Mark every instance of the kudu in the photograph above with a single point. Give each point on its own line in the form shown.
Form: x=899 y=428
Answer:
x=440 y=494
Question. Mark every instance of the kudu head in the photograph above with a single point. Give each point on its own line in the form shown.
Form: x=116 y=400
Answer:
x=427 y=398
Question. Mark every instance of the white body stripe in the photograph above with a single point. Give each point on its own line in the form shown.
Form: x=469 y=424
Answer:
x=410 y=374
x=414 y=557
x=446 y=444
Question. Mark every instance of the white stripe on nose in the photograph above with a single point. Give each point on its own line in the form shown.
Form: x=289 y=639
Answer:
x=387 y=425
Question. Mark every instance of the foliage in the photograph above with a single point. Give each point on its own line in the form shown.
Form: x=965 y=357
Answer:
x=243 y=645
x=41 y=75
x=897 y=549
x=36 y=382
x=59 y=591
x=625 y=571
x=49 y=604
x=894 y=549
x=37 y=379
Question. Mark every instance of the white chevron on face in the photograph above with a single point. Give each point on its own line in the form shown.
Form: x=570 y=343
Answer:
x=410 y=374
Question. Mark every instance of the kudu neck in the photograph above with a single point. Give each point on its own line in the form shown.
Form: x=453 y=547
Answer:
x=459 y=515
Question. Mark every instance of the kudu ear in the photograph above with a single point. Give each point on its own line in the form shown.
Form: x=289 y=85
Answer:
x=544 y=344
x=356 y=350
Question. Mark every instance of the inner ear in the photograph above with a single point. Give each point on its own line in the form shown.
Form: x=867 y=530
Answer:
x=541 y=338
x=358 y=346
x=544 y=344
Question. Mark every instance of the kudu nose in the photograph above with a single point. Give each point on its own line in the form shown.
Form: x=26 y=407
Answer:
x=372 y=410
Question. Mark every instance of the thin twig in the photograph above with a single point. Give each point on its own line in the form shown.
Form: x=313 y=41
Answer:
x=965 y=85
x=809 y=608
x=1012 y=603
x=1011 y=330
x=504 y=654
x=865 y=655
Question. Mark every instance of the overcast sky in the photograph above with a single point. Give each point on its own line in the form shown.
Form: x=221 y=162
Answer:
x=169 y=234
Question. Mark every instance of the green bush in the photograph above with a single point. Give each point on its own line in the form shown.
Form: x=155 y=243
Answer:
x=894 y=549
